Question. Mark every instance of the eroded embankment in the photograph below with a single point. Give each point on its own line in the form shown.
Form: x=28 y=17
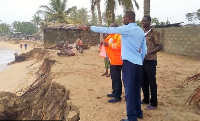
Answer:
x=43 y=100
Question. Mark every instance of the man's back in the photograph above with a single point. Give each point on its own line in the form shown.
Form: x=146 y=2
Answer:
x=132 y=39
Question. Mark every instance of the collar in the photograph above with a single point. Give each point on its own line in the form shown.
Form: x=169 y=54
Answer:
x=133 y=24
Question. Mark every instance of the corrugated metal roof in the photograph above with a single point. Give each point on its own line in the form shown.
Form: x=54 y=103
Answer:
x=60 y=26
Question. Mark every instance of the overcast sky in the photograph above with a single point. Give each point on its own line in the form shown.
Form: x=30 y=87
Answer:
x=173 y=10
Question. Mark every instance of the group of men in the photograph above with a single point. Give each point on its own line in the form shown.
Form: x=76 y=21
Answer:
x=132 y=50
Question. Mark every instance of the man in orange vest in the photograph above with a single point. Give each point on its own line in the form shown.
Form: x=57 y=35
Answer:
x=112 y=45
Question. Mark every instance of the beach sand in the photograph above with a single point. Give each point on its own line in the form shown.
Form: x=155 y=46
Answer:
x=81 y=74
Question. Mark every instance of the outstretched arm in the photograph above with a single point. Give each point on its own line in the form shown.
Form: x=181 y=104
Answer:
x=108 y=30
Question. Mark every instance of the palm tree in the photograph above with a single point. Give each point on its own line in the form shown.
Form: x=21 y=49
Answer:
x=82 y=16
x=55 y=12
x=147 y=7
x=72 y=13
x=110 y=10
x=4 y=28
x=155 y=21
x=36 y=20
x=198 y=14
x=128 y=4
x=190 y=17
x=94 y=4
x=111 y=6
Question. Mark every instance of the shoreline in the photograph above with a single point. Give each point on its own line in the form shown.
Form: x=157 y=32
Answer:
x=9 y=45
x=18 y=76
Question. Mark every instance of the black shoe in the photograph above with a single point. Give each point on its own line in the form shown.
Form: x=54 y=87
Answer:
x=143 y=102
x=110 y=95
x=140 y=116
x=114 y=100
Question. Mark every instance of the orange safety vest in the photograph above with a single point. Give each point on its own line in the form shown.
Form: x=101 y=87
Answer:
x=114 y=49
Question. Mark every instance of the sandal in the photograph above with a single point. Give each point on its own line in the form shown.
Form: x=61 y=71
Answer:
x=104 y=74
x=108 y=75
x=150 y=107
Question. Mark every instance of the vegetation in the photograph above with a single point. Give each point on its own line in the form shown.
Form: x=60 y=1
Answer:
x=4 y=28
x=55 y=12
x=193 y=17
x=24 y=27
x=95 y=4
x=111 y=6
x=78 y=15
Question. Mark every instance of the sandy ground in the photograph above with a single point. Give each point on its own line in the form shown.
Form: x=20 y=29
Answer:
x=81 y=74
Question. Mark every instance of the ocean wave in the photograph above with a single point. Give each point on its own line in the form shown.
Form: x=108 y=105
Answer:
x=6 y=56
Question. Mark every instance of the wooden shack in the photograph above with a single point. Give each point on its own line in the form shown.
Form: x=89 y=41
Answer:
x=60 y=33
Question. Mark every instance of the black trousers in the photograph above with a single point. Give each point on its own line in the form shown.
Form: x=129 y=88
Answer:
x=115 y=72
x=149 y=80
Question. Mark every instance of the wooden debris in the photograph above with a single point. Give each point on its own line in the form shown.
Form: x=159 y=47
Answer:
x=189 y=79
x=195 y=98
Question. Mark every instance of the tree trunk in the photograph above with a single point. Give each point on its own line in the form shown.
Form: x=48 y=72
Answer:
x=99 y=12
x=100 y=19
x=147 y=7
x=113 y=10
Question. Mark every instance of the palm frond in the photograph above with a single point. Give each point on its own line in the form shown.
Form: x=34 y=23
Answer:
x=47 y=8
x=63 y=4
x=136 y=4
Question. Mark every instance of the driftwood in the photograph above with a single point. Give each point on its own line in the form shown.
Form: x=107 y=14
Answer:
x=196 y=77
x=195 y=98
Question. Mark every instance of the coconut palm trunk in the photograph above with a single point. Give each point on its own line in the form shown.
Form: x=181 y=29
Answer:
x=99 y=12
x=147 y=7
x=99 y=16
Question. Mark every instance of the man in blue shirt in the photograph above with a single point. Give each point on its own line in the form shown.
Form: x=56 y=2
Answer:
x=133 y=50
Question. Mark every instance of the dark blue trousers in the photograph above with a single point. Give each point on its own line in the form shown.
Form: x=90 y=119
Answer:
x=132 y=79
x=115 y=72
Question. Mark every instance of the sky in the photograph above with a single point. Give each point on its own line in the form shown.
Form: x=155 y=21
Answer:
x=172 y=10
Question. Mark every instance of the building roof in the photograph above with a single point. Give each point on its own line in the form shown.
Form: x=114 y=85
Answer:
x=169 y=25
x=60 y=26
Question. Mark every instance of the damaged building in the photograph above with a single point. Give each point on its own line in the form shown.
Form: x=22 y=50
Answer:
x=59 y=33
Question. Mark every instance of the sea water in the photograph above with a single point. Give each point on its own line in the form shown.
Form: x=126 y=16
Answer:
x=6 y=56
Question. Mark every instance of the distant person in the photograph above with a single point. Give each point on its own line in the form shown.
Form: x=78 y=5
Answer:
x=16 y=55
x=107 y=66
x=21 y=46
x=25 y=46
x=112 y=45
x=106 y=61
x=154 y=45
